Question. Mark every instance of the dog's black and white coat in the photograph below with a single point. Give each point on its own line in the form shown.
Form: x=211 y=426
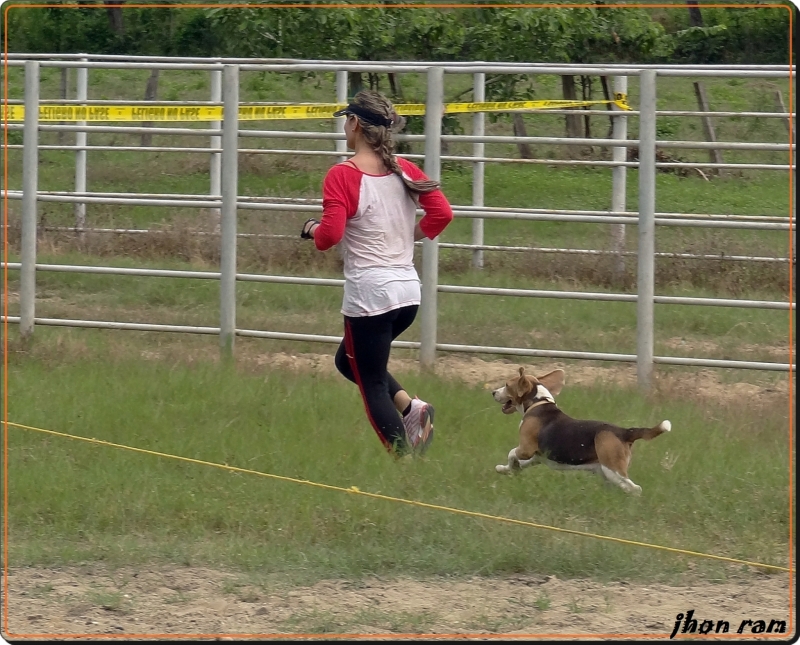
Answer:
x=549 y=436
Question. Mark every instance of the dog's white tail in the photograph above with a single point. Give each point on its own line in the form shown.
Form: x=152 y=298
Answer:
x=649 y=433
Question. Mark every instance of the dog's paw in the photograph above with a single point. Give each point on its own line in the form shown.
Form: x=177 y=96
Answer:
x=502 y=468
x=635 y=490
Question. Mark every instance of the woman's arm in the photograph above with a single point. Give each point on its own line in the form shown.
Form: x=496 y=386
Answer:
x=339 y=201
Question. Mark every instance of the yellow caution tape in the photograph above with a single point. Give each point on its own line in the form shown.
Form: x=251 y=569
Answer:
x=119 y=113
x=505 y=106
x=270 y=112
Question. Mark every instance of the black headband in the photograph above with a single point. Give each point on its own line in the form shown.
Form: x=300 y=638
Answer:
x=368 y=115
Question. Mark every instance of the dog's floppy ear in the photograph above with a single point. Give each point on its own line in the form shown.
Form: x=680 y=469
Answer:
x=523 y=384
x=553 y=381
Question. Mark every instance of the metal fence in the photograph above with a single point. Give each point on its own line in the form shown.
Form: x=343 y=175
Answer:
x=225 y=147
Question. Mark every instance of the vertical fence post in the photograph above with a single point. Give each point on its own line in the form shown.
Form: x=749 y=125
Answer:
x=229 y=189
x=619 y=180
x=434 y=106
x=215 y=164
x=338 y=122
x=647 y=207
x=478 y=167
x=30 y=177
x=82 y=94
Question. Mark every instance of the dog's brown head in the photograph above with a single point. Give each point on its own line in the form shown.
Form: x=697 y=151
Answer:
x=526 y=387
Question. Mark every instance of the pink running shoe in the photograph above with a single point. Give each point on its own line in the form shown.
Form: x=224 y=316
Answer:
x=419 y=425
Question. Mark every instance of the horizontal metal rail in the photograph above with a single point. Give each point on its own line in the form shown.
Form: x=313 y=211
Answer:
x=615 y=297
x=187 y=150
x=629 y=164
x=513 y=160
x=446 y=245
x=300 y=61
x=304 y=208
x=556 y=111
x=405 y=67
x=454 y=138
x=467 y=207
x=614 y=143
x=733 y=217
x=611 y=219
x=472 y=349
x=442 y=288
x=663 y=254
x=629 y=358
x=124 y=129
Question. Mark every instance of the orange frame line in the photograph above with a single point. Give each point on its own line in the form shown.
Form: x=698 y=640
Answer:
x=427 y=5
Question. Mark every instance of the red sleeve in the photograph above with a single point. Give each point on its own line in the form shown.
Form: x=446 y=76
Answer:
x=340 y=190
x=438 y=213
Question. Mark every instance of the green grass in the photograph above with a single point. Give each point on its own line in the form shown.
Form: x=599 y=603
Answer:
x=716 y=484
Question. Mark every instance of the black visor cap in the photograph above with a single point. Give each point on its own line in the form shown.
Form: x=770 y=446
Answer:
x=368 y=115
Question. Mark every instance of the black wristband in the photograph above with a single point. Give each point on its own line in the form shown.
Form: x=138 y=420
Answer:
x=305 y=232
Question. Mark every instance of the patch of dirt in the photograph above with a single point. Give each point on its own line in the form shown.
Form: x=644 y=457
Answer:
x=216 y=604
x=759 y=388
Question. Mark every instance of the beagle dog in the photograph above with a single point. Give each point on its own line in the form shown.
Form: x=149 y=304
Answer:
x=548 y=436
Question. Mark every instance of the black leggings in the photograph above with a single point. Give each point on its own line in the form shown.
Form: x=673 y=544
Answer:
x=363 y=357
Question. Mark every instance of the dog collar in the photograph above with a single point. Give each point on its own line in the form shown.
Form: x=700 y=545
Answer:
x=537 y=404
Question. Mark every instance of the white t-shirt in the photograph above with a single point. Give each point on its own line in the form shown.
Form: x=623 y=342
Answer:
x=372 y=219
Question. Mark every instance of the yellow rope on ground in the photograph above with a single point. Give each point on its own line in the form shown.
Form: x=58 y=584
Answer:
x=356 y=491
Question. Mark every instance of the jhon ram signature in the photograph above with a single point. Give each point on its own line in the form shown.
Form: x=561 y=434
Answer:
x=691 y=625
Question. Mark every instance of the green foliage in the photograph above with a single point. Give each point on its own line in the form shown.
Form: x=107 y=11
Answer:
x=576 y=34
x=755 y=36
x=160 y=31
x=703 y=45
x=746 y=35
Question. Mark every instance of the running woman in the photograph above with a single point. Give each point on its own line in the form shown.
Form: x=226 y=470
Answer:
x=369 y=207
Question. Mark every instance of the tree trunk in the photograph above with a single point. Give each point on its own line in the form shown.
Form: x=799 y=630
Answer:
x=695 y=15
x=520 y=131
x=586 y=92
x=394 y=84
x=573 y=121
x=150 y=94
x=607 y=96
x=356 y=82
x=114 y=11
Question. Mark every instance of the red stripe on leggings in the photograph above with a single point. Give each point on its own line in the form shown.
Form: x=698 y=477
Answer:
x=351 y=357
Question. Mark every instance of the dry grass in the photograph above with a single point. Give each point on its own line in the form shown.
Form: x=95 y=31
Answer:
x=195 y=238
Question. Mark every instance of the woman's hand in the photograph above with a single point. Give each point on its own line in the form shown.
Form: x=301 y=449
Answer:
x=307 y=233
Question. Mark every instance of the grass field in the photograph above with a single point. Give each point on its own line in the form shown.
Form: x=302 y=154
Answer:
x=718 y=483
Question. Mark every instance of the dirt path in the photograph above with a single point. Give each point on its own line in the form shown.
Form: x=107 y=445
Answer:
x=760 y=388
x=174 y=601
